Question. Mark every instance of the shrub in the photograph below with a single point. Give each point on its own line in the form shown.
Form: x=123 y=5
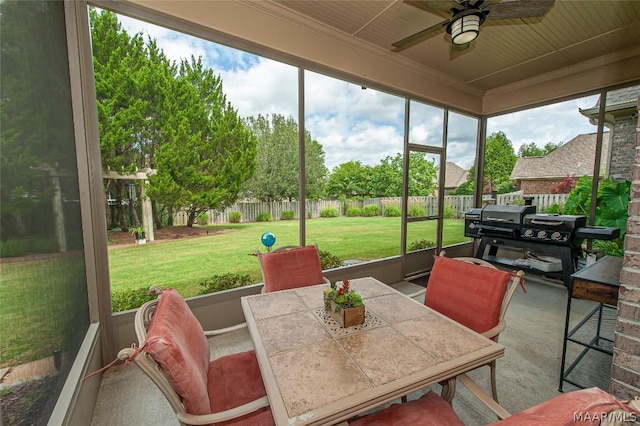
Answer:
x=554 y=208
x=235 y=216
x=288 y=215
x=263 y=217
x=370 y=210
x=329 y=212
x=565 y=186
x=519 y=201
x=416 y=210
x=354 y=212
x=392 y=211
x=22 y=247
x=421 y=244
x=131 y=298
x=328 y=261
x=610 y=248
x=203 y=219
x=449 y=212
x=224 y=282
x=309 y=214
x=505 y=187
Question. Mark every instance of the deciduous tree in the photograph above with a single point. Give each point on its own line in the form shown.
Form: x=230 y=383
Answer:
x=499 y=160
x=532 y=150
x=276 y=177
x=386 y=179
x=348 y=180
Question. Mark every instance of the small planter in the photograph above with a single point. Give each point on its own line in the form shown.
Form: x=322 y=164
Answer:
x=347 y=317
x=138 y=233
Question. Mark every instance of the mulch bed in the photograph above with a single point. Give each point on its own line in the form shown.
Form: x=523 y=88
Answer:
x=119 y=238
x=28 y=404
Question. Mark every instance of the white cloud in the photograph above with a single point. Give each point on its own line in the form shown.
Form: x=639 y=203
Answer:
x=352 y=123
x=554 y=123
x=268 y=87
x=175 y=46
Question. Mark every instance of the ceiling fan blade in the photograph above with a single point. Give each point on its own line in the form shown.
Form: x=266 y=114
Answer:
x=418 y=37
x=518 y=9
x=436 y=7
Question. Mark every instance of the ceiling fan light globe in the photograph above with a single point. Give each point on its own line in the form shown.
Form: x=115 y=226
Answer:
x=465 y=29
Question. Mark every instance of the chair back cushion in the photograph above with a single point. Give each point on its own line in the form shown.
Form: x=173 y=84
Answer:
x=176 y=341
x=297 y=267
x=469 y=294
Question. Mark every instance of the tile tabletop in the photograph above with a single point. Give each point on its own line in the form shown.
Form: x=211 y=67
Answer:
x=317 y=372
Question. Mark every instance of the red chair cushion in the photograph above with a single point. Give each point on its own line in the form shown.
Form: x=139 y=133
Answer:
x=235 y=380
x=176 y=341
x=582 y=407
x=298 y=267
x=467 y=293
x=428 y=410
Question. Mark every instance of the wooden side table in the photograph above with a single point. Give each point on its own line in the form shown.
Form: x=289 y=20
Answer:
x=599 y=282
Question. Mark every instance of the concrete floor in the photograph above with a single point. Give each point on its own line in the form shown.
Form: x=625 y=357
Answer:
x=527 y=375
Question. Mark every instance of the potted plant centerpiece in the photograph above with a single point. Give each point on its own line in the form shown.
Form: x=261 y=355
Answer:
x=343 y=304
x=138 y=232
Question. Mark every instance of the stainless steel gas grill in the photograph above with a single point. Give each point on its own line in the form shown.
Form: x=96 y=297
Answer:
x=540 y=235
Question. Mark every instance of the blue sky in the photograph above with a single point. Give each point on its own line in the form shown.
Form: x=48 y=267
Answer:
x=351 y=123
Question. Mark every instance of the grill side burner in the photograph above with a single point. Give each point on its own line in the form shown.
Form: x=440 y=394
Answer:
x=551 y=228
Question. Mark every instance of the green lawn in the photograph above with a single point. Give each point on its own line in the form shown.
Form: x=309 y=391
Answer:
x=41 y=300
x=42 y=307
x=182 y=264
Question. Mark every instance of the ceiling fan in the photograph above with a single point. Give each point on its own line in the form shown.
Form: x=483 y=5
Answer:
x=466 y=17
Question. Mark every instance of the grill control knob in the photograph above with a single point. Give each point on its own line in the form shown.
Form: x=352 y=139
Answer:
x=528 y=233
x=472 y=225
x=542 y=235
x=556 y=236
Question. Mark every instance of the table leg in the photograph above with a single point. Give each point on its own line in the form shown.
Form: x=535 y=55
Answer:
x=448 y=389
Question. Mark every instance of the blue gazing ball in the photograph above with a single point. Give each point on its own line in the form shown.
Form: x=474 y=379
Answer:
x=268 y=239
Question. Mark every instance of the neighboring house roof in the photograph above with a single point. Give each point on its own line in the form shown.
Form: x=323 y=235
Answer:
x=618 y=101
x=454 y=176
x=574 y=158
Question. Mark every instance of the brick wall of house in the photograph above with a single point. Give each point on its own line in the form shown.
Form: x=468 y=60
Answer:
x=625 y=369
x=537 y=186
x=623 y=147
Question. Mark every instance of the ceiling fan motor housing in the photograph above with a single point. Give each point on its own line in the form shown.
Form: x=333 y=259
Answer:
x=464 y=26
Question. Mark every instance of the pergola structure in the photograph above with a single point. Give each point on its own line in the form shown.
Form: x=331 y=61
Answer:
x=147 y=213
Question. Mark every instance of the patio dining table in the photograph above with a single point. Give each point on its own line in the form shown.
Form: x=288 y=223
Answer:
x=316 y=372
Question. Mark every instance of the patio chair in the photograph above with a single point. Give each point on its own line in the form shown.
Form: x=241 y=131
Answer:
x=174 y=353
x=291 y=267
x=587 y=406
x=474 y=293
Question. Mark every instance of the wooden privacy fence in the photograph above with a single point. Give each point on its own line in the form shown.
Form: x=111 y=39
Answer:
x=455 y=206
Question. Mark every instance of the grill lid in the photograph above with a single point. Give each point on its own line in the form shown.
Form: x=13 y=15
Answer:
x=555 y=221
x=499 y=214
